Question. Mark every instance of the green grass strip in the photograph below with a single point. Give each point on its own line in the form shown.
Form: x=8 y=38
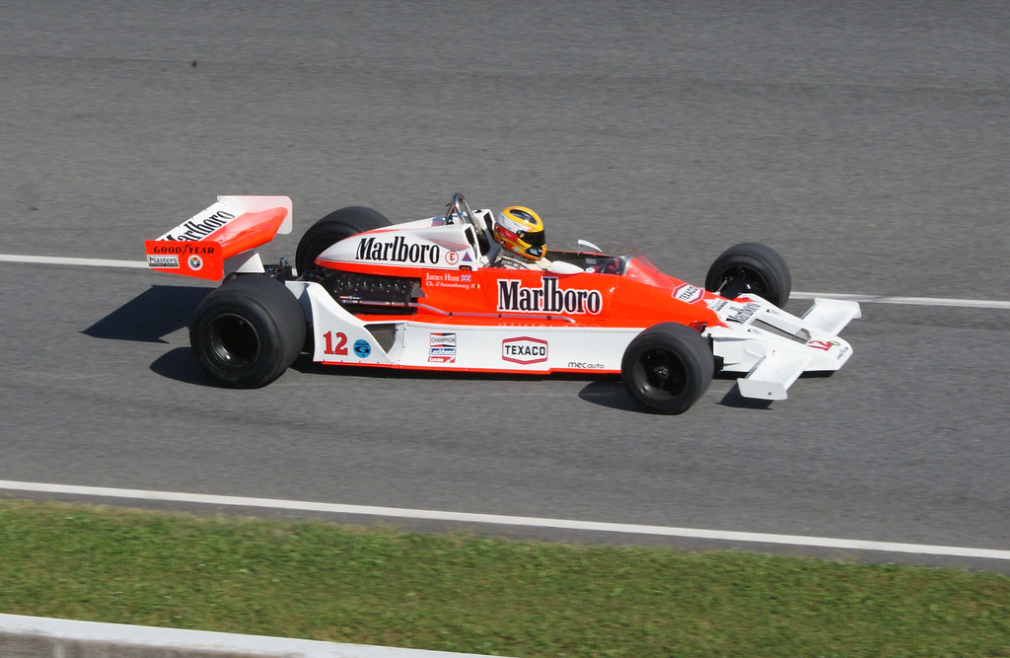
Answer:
x=323 y=581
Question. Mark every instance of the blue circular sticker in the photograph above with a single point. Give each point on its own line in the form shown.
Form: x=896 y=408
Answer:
x=362 y=348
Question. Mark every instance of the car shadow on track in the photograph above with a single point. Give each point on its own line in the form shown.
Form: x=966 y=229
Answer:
x=606 y=390
x=151 y=315
x=612 y=394
x=735 y=400
x=180 y=365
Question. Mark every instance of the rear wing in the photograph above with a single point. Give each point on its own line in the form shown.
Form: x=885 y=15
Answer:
x=221 y=239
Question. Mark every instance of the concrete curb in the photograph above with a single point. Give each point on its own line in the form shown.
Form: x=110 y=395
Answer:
x=40 y=637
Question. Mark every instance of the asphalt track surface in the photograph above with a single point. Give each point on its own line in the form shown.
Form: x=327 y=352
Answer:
x=868 y=142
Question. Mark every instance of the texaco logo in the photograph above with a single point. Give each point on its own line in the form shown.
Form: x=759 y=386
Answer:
x=524 y=350
x=688 y=293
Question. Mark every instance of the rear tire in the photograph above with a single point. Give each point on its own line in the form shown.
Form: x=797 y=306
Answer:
x=750 y=268
x=667 y=367
x=333 y=228
x=246 y=333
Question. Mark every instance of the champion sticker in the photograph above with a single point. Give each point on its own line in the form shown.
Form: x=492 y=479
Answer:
x=441 y=348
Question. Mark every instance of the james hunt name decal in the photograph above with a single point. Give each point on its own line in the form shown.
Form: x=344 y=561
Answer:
x=524 y=350
x=450 y=279
x=547 y=298
x=398 y=250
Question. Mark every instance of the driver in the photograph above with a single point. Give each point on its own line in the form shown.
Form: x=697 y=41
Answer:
x=520 y=232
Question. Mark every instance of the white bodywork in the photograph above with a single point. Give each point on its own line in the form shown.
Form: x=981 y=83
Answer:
x=424 y=242
x=520 y=348
x=771 y=347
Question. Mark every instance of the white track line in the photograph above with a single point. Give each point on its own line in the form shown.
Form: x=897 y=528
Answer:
x=870 y=299
x=908 y=301
x=495 y=519
x=88 y=638
x=59 y=260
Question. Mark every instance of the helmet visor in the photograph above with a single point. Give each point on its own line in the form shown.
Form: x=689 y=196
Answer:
x=534 y=239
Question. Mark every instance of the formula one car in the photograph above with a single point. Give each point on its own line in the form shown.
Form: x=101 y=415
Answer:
x=431 y=294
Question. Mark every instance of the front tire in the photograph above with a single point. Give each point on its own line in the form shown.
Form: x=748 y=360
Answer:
x=248 y=332
x=750 y=267
x=667 y=367
x=333 y=228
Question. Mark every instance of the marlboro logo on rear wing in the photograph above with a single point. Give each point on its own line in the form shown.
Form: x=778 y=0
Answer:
x=222 y=238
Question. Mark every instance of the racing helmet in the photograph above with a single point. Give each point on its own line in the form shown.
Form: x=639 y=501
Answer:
x=521 y=231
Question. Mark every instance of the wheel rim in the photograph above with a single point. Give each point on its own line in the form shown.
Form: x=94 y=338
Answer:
x=739 y=280
x=235 y=343
x=662 y=373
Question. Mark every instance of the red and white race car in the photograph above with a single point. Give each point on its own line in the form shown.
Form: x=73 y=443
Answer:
x=430 y=294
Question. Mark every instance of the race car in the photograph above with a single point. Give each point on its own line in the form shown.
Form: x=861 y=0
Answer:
x=433 y=294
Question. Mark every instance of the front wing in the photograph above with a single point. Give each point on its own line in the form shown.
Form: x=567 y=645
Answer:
x=774 y=347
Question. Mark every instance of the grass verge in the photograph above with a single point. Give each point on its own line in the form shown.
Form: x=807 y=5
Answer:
x=323 y=581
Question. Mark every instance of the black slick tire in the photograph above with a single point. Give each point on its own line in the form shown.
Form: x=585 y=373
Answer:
x=333 y=228
x=750 y=267
x=667 y=367
x=248 y=332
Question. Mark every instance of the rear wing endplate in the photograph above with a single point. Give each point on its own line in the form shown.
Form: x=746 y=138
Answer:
x=222 y=238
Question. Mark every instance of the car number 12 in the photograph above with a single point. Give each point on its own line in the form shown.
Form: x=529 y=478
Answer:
x=340 y=348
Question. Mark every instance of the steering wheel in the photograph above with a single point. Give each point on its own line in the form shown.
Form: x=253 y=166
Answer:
x=461 y=208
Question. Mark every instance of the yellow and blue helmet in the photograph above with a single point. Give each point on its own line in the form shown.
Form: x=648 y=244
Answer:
x=521 y=231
